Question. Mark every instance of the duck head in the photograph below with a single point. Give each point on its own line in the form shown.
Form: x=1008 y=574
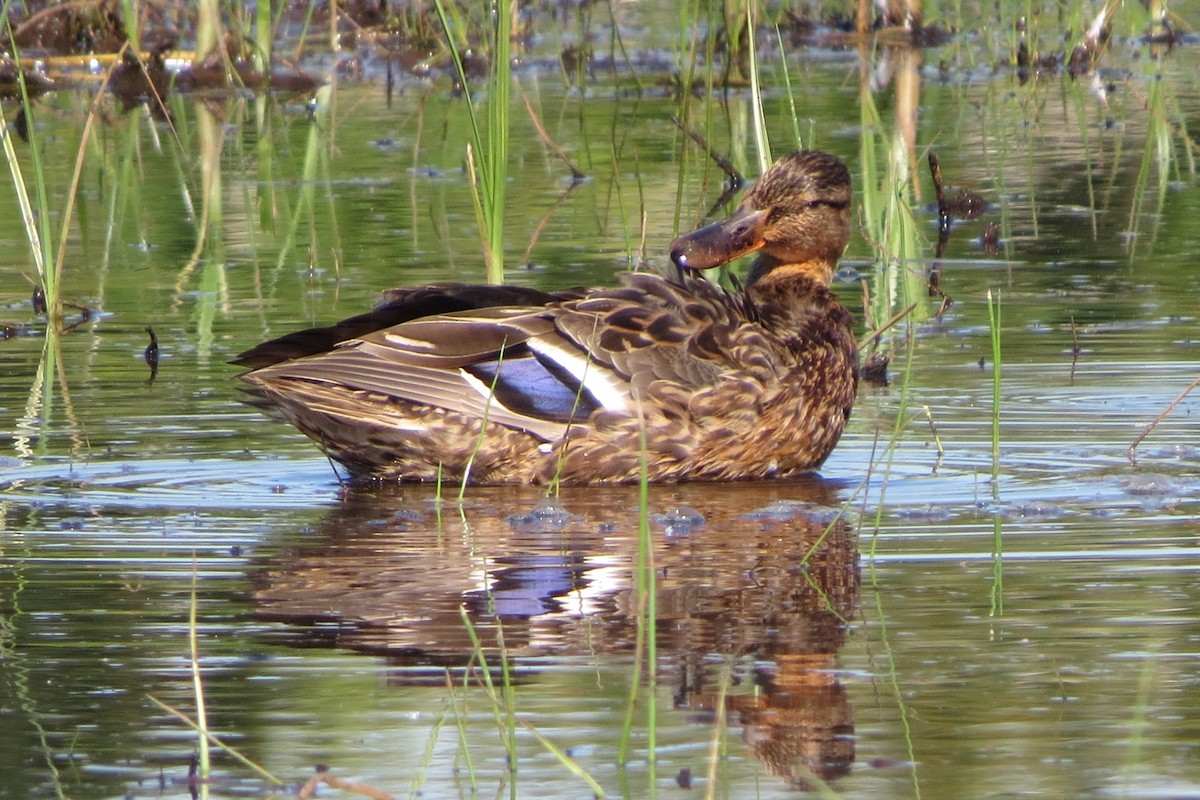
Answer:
x=796 y=217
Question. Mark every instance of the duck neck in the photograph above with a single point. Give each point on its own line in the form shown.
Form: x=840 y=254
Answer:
x=770 y=275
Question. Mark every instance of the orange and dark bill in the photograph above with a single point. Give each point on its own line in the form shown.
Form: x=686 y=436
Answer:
x=721 y=242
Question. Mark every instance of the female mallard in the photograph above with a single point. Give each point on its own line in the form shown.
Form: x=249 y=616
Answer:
x=504 y=384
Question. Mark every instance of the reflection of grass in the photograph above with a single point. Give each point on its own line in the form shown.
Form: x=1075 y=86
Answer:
x=1139 y=724
x=503 y=703
x=1161 y=157
x=645 y=649
x=205 y=737
x=993 y=308
x=314 y=172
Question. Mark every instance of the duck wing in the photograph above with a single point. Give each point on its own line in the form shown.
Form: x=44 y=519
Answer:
x=482 y=363
x=399 y=305
x=539 y=369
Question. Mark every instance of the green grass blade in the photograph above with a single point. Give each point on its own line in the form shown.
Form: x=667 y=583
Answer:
x=490 y=153
x=762 y=144
x=500 y=84
x=798 y=140
x=28 y=219
x=994 y=322
x=37 y=227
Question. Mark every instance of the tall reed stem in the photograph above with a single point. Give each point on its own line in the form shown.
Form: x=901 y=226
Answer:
x=489 y=163
x=35 y=219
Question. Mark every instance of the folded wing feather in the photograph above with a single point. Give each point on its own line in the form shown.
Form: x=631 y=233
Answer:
x=536 y=368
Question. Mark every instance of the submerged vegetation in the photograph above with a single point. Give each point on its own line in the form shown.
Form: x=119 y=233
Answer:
x=207 y=175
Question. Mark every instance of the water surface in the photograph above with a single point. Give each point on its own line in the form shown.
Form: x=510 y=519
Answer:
x=856 y=625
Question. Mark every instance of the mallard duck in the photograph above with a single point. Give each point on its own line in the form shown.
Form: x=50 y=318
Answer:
x=502 y=384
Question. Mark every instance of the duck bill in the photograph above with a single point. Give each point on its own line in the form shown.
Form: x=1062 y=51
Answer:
x=721 y=242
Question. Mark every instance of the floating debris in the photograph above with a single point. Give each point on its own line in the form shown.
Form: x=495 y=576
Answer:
x=545 y=518
x=1151 y=484
x=679 y=521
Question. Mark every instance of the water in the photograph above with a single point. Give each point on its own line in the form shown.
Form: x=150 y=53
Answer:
x=330 y=621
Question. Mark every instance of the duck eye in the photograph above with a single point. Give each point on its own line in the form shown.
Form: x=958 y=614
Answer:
x=839 y=204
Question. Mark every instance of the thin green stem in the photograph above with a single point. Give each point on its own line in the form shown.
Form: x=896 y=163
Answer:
x=762 y=143
x=490 y=154
x=993 y=306
x=37 y=226
x=798 y=140
x=994 y=321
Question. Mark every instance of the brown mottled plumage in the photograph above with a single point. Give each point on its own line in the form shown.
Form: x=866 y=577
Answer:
x=504 y=384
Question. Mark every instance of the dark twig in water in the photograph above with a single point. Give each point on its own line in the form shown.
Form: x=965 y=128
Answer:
x=541 y=226
x=722 y=201
x=736 y=180
x=39 y=300
x=874 y=366
x=935 y=170
x=322 y=776
x=1085 y=55
x=1150 y=428
x=868 y=318
x=937 y=440
x=963 y=204
x=151 y=355
x=875 y=334
x=947 y=301
x=935 y=269
x=576 y=174
x=1074 y=347
x=990 y=239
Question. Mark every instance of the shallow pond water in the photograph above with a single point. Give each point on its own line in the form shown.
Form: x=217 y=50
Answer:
x=926 y=618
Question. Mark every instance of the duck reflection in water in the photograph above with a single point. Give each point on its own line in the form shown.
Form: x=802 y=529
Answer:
x=760 y=584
